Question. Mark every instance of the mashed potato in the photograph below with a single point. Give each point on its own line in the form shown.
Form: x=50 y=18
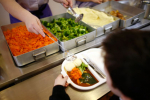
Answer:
x=94 y=17
x=77 y=62
x=69 y=66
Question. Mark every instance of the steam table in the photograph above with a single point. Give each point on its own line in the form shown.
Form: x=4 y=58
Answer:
x=35 y=81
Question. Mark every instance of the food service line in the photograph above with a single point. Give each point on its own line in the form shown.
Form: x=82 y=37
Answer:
x=35 y=80
x=11 y=74
x=40 y=86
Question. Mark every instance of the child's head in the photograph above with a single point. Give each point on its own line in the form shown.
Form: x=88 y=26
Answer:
x=127 y=63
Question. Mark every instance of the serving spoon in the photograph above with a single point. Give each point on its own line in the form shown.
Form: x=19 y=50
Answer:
x=77 y=16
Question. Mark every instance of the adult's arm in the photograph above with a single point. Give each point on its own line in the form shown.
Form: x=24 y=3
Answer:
x=33 y=24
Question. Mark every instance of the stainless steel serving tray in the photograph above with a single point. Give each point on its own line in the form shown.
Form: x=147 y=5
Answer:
x=78 y=41
x=109 y=27
x=106 y=28
x=34 y=55
x=133 y=14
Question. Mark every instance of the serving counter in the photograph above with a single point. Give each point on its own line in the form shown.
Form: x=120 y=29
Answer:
x=40 y=87
x=35 y=80
x=10 y=73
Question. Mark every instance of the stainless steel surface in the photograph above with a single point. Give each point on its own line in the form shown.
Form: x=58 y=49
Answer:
x=70 y=44
x=53 y=40
x=147 y=11
x=10 y=73
x=146 y=1
x=34 y=55
x=139 y=25
x=100 y=73
x=77 y=16
x=40 y=87
x=79 y=40
x=131 y=15
x=147 y=28
x=135 y=3
x=143 y=4
x=109 y=27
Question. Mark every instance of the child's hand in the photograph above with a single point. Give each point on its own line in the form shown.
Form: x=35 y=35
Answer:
x=60 y=80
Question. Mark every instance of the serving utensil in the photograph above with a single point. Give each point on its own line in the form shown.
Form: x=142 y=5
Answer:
x=78 y=16
x=94 y=67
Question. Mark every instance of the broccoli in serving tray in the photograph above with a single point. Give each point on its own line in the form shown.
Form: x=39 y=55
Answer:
x=65 y=29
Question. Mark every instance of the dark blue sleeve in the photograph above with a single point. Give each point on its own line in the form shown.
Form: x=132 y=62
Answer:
x=59 y=93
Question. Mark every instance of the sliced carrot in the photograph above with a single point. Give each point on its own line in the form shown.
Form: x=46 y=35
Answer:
x=76 y=73
x=21 y=41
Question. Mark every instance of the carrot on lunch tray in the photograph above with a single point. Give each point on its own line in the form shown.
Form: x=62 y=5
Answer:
x=76 y=73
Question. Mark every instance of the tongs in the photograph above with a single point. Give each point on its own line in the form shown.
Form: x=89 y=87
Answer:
x=69 y=57
x=78 y=16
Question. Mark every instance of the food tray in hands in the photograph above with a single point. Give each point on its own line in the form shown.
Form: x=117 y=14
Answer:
x=34 y=55
x=100 y=80
x=133 y=14
x=78 y=41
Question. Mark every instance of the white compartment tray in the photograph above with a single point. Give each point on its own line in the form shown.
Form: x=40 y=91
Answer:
x=101 y=80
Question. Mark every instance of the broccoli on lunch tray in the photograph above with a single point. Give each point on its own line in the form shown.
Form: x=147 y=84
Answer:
x=65 y=29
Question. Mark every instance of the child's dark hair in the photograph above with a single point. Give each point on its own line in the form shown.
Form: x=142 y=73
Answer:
x=127 y=59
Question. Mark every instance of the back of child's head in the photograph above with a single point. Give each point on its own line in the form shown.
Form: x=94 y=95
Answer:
x=127 y=60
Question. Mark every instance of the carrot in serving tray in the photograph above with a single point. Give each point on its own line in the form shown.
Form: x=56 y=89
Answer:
x=21 y=41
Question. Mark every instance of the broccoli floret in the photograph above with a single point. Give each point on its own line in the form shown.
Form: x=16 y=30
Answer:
x=80 y=34
x=61 y=19
x=82 y=31
x=50 y=25
x=53 y=30
x=64 y=38
x=66 y=32
x=71 y=36
x=57 y=27
x=54 y=21
x=65 y=29
x=59 y=35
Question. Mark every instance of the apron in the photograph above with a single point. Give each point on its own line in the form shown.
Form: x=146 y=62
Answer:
x=39 y=8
